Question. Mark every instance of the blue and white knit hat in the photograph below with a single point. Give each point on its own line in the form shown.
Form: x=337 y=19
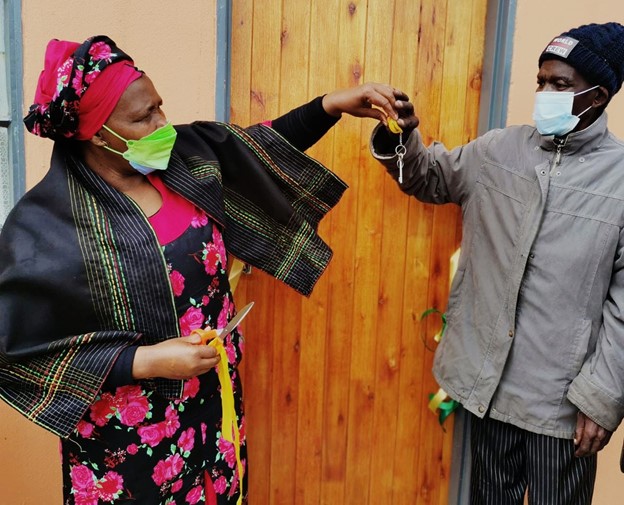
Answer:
x=596 y=51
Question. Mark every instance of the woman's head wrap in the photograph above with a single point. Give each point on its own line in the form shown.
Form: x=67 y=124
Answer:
x=79 y=87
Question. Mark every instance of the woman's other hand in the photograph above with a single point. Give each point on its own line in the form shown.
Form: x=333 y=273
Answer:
x=374 y=100
x=176 y=358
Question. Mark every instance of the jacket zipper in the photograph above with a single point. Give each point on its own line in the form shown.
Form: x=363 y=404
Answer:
x=560 y=143
x=558 y=156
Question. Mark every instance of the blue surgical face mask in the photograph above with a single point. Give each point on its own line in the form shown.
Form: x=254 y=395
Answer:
x=553 y=112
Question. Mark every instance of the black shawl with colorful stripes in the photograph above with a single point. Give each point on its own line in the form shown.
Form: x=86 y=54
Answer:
x=82 y=275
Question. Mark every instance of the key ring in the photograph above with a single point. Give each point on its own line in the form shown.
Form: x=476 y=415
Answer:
x=400 y=151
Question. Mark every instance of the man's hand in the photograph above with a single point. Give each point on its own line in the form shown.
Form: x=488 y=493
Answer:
x=374 y=100
x=589 y=437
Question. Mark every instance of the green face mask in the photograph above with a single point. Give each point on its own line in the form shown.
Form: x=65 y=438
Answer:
x=151 y=152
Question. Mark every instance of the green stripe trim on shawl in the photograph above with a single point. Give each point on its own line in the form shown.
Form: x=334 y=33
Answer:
x=102 y=262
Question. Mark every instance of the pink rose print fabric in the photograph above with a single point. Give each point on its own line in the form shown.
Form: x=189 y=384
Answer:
x=133 y=446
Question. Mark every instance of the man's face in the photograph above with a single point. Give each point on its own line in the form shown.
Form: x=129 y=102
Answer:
x=555 y=75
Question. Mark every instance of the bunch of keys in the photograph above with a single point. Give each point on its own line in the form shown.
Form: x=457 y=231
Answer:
x=400 y=149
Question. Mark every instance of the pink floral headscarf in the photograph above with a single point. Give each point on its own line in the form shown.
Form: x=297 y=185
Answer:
x=75 y=95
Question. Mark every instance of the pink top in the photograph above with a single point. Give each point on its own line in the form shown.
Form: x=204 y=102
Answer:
x=174 y=216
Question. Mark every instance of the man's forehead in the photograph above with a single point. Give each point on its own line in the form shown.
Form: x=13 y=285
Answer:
x=555 y=69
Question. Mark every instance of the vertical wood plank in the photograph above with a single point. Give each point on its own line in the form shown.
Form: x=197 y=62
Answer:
x=475 y=70
x=263 y=91
x=242 y=50
x=353 y=25
x=401 y=54
x=310 y=431
x=285 y=395
x=412 y=403
x=365 y=403
x=428 y=99
x=348 y=53
x=293 y=36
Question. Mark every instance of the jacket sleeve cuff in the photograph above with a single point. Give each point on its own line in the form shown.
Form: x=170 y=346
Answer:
x=596 y=403
x=382 y=143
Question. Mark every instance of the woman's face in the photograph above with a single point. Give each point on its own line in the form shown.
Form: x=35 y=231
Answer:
x=136 y=115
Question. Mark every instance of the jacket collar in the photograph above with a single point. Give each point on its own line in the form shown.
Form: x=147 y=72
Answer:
x=587 y=140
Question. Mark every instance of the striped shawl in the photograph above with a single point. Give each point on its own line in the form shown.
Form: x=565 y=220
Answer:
x=82 y=275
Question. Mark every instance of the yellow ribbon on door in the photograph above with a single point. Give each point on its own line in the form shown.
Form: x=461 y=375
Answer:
x=236 y=271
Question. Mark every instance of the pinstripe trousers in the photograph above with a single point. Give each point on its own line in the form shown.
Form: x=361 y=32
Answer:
x=506 y=460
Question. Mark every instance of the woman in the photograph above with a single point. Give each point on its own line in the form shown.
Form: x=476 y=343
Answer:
x=121 y=252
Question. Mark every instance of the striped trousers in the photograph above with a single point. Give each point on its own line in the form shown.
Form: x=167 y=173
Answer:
x=507 y=460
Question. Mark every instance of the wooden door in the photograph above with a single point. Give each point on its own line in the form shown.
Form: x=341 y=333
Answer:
x=336 y=386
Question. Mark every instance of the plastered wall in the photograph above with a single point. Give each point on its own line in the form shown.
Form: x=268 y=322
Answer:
x=173 y=42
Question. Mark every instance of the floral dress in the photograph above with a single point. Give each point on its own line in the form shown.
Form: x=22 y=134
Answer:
x=134 y=446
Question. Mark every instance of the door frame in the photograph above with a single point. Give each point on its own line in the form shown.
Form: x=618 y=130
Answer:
x=495 y=82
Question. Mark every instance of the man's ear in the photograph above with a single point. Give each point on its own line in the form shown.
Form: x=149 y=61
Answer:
x=602 y=97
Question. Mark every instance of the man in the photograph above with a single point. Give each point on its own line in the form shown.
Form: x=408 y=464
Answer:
x=534 y=347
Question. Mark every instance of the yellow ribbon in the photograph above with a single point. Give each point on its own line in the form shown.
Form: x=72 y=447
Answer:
x=442 y=405
x=236 y=270
x=436 y=400
x=229 y=422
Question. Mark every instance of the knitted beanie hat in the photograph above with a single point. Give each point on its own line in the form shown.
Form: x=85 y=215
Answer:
x=596 y=51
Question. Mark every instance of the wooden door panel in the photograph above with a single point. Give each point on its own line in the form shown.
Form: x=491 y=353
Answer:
x=336 y=385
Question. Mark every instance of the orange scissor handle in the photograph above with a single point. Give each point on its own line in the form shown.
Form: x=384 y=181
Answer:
x=206 y=335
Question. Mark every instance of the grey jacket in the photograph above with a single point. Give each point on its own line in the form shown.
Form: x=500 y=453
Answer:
x=536 y=310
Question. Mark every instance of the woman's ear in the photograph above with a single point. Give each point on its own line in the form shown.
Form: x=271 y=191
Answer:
x=98 y=140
